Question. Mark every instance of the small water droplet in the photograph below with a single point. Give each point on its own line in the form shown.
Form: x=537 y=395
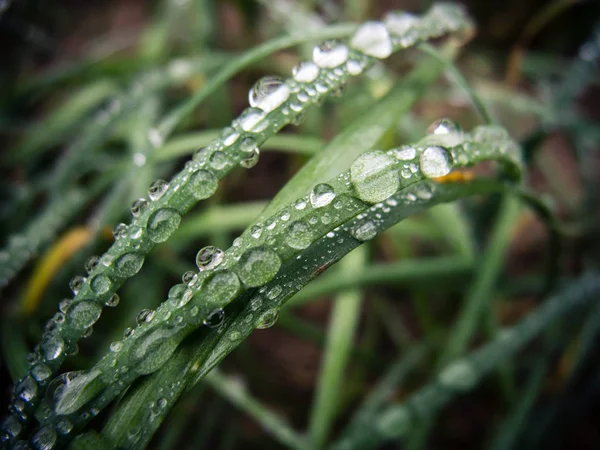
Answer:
x=364 y=231
x=91 y=263
x=435 y=162
x=252 y=119
x=374 y=176
x=255 y=231
x=138 y=206
x=268 y=93
x=215 y=318
x=460 y=376
x=321 y=195
x=274 y=292
x=372 y=39
x=267 y=319
x=157 y=189
x=354 y=67
x=258 y=266
x=188 y=276
x=299 y=235
x=443 y=127
x=116 y=346
x=76 y=283
x=209 y=257
x=120 y=231
x=44 y=439
x=26 y=389
x=113 y=301
x=229 y=136
x=128 y=264
x=162 y=223
x=52 y=348
x=330 y=54
x=251 y=160
x=400 y=23
x=305 y=72
x=40 y=372
x=145 y=316
x=405 y=153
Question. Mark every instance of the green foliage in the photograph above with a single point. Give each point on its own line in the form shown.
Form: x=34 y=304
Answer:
x=341 y=200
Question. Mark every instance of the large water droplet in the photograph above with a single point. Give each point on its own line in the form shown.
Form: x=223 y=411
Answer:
x=202 y=184
x=84 y=314
x=268 y=93
x=321 y=195
x=40 y=372
x=215 y=318
x=26 y=389
x=299 y=235
x=330 y=54
x=258 y=266
x=100 y=284
x=268 y=319
x=157 y=189
x=10 y=426
x=70 y=391
x=251 y=119
x=405 y=153
x=162 y=223
x=372 y=39
x=128 y=264
x=229 y=136
x=52 y=348
x=459 y=376
x=374 y=176
x=435 y=162
x=305 y=72
x=364 y=231
x=209 y=257
x=152 y=350
x=222 y=287
x=44 y=439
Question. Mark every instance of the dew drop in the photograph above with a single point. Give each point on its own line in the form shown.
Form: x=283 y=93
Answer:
x=188 y=276
x=364 y=231
x=202 y=184
x=64 y=304
x=145 y=316
x=64 y=427
x=251 y=160
x=405 y=153
x=100 y=284
x=374 y=176
x=26 y=389
x=443 y=127
x=330 y=54
x=399 y=23
x=299 y=235
x=162 y=223
x=113 y=301
x=460 y=376
x=157 y=189
x=40 y=372
x=215 y=318
x=274 y=292
x=354 y=67
x=138 y=207
x=70 y=391
x=84 y=314
x=394 y=422
x=10 y=426
x=305 y=72
x=321 y=195
x=52 y=348
x=372 y=39
x=120 y=231
x=268 y=93
x=267 y=319
x=135 y=232
x=435 y=162
x=251 y=119
x=209 y=257
x=44 y=439
x=91 y=263
x=229 y=136
x=150 y=351
x=218 y=160
x=222 y=287
x=116 y=346
x=76 y=283
x=258 y=266
x=256 y=231
x=128 y=264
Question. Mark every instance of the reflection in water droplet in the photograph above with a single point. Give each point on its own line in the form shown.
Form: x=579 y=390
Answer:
x=162 y=223
x=268 y=319
x=202 y=184
x=215 y=318
x=443 y=127
x=157 y=189
x=374 y=176
x=268 y=93
x=258 y=266
x=435 y=162
x=321 y=195
x=209 y=257
x=330 y=54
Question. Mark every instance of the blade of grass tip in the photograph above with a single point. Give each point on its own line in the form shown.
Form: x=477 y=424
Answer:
x=186 y=144
x=343 y=323
x=477 y=298
x=420 y=271
x=235 y=392
x=463 y=375
x=506 y=437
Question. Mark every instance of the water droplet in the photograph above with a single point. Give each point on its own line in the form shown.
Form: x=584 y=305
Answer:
x=251 y=160
x=70 y=391
x=145 y=316
x=354 y=67
x=321 y=195
x=218 y=160
x=202 y=184
x=40 y=372
x=64 y=304
x=299 y=235
x=100 y=284
x=364 y=231
x=215 y=318
x=44 y=439
x=84 y=314
x=372 y=39
x=374 y=176
x=150 y=351
x=120 y=231
x=11 y=426
x=91 y=263
x=76 y=283
x=300 y=204
x=229 y=136
x=138 y=206
x=222 y=287
x=405 y=153
x=251 y=119
x=64 y=427
x=330 y=54
x=157 y=189
x=394 y=422
x=113 y=300
x=443 y=127
x=26 y=389
x=209 y=257
x=435 y=162
x=128 y=264
x=268 y=319
x=52 y=348
x=162 y=223
x=116 y=346
x=188 y=276
x=305 y=72
x=258 y=266
x=255 y=231
x=274 y=292
x=268 y=93
x=460 y=376
x=400 y=23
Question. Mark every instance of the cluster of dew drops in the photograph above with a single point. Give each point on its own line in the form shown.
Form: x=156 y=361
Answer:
x=335 y=59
